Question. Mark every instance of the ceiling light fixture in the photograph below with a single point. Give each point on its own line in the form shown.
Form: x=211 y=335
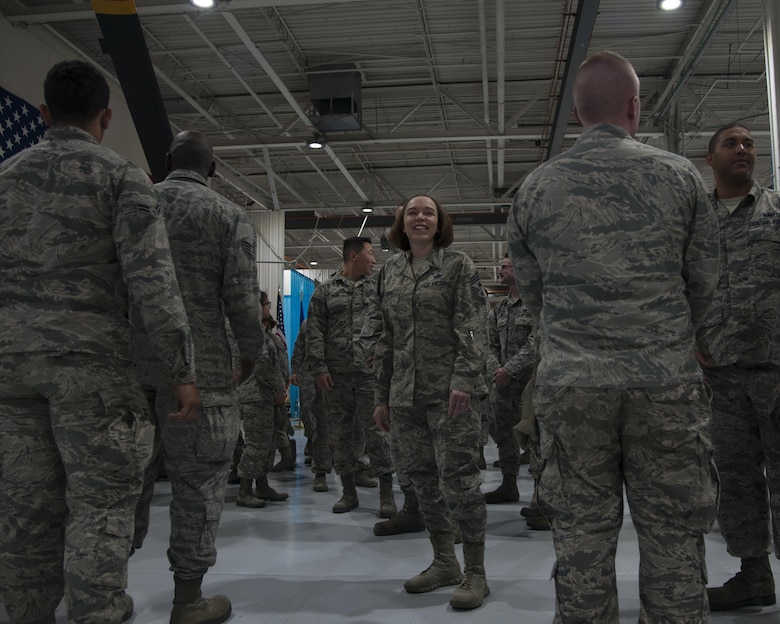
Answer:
x=670 y=5
x=367 y=209
x=315 y=143
x=204 y=4
x=313 y=263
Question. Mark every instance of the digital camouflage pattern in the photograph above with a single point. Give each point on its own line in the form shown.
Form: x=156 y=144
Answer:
x=83 y=246
x=511 y=346
x=432 y=341
x=743 y=324
x=741 y=338
x=445 y=355
x=337 y=313
x=615 y=252
x=661 y=454
x=96 y=225
x=213 y=248
x=256 y=397
x=622 y=286
x=312 y=413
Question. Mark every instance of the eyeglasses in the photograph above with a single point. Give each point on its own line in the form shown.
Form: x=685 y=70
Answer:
x=266 y=303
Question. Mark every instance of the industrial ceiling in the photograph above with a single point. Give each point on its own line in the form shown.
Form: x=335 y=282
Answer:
x=459 y=99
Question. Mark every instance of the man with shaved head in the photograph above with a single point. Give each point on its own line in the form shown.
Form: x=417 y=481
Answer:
x=213 y=248
x=615 y=252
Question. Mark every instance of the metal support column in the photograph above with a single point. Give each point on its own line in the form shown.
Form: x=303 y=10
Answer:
x=772 y=59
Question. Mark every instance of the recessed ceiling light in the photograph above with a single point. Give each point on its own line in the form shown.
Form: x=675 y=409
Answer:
x=670 y=5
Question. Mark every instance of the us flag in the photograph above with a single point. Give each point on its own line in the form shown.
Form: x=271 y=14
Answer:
x=279 y=311
x=21 y=125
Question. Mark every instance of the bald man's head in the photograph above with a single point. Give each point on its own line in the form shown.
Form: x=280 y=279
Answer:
x=606 y=90
x=190 y=150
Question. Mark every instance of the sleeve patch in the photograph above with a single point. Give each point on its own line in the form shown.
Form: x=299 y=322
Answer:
x=477 y=292
x=249 y=249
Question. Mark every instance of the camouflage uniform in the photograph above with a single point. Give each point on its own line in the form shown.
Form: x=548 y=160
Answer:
x=512 y=347
x=417 y=365
x=313 y=417
x=212 y=243
x=741 y=338
x=614 y=245
x=256 y=398
x=337 y=312
x=83 y=244
x=282 y=430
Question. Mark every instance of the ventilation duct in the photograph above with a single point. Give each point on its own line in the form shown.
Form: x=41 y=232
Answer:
x=335 y=95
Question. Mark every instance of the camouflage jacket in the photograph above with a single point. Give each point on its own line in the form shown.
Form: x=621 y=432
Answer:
x=512 y=343
x=213 y=248
x=337 y=311
x=433 y=329
x=615 y=251
x=743 y=326
x=298 y=363
x=83 y=247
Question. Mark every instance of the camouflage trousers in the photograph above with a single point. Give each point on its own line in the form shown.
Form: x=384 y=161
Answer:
x=283 y=430
x=746 y=437
x=508 y=411
x=439 y=454
x=257 y=418
x=307 y=394
x=75 y=438
x=653 y=441
x=197 y=461
x=349 y=410
x=321 y=450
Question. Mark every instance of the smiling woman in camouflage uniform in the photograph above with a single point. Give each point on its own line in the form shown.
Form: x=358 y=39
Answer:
x=428 y=365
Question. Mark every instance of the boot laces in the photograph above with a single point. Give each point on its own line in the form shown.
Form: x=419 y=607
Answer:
x=468 y=580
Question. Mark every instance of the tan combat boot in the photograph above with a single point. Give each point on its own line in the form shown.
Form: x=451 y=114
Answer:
x=320 y=482
x=190 y=607
x=266 y=492
x=753 y=586
x=445 y=569
x=504 y=493
x=387 y=508
x=246 y=496
x=349 y=498
x=474 y=589
x=408 y=520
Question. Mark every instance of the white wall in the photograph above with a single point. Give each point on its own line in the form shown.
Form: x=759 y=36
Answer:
x=27 y=54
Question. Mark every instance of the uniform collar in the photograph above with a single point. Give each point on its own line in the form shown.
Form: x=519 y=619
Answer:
x=188 y=175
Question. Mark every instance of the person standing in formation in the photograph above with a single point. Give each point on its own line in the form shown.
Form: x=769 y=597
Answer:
x=615 y=252
x=511 y=354
x=213 y=247
x=740 y=353
x=428 y=362
x=83 y=245
x=337 y=312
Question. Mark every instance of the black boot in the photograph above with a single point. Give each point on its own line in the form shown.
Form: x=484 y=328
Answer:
x=753 y=586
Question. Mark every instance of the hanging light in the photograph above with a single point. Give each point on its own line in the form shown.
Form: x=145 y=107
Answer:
x=313 y=263
x=204 y=4
x=367 y=209
x=316 y=142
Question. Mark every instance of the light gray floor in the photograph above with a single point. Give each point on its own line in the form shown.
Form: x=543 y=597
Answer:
x=298 y=563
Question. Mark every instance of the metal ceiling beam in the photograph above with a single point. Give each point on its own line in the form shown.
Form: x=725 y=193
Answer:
x=51 y=13
x=123 y=40
x=285 y=91
x=584 y=21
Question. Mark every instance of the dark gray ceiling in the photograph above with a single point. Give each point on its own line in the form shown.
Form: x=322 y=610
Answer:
x=457 y=98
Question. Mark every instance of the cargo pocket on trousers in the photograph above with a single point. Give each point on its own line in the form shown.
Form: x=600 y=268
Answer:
x=109 y=555
x=217 y=433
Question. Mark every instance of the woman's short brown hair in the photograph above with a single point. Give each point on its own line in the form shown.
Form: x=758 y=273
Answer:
x=444 y=233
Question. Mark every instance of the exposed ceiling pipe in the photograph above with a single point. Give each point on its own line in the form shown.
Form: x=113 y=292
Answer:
x=584 y=21
x=694 y=50
x=485 y=86
x=500 y=91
